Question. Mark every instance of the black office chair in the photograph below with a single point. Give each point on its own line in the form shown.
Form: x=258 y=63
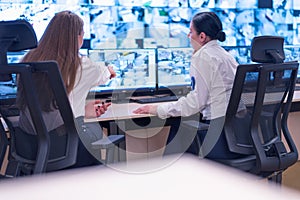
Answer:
x=45 y=151
x=255 y=137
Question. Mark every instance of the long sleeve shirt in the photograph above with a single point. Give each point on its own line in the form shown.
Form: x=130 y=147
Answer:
x=212 y=73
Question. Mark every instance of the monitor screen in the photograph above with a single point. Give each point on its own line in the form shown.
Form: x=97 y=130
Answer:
x=156 y=23
x=173 y=66
x=240 y=53
x=135 y=69
x=39 y=15
x=8 y=89
x=292 y=53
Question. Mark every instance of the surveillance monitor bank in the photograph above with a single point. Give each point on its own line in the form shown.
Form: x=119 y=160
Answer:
x=135 y=69
x=173 y=66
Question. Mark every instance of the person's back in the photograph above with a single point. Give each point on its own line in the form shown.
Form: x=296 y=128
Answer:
x=61 y=42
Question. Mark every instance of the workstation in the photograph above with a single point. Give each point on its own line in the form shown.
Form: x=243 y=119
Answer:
x=120 y=119
x=152 y=64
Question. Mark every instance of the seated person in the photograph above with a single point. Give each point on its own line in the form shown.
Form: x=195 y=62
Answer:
x=61 y=42
x=212 y=73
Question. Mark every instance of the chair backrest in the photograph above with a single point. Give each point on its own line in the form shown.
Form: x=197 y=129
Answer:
x=15 y=36
x=40 y=91
x=256 y=118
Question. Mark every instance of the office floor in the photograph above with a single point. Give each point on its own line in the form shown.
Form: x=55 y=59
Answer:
x=291 y=177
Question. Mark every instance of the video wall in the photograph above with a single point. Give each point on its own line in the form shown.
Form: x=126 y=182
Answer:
x=146 y=40
x=162 y=23
x=135 y=69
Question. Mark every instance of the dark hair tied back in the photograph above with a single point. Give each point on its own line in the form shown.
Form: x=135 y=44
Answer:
x=221 y=36
x=210 y=24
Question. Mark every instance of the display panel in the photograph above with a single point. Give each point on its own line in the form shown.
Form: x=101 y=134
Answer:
x=135 y=69
x=240 y=53
x=276 y=22
x=292 y=53
x=173 y=66
x=8 y=89
x=102 y=2
x=162 y=23
x=39 y=15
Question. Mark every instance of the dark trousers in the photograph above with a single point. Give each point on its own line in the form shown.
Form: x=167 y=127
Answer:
x=212 y=143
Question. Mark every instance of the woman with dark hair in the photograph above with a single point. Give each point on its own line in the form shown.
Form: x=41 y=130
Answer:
x=212 y=72
x=61 y=42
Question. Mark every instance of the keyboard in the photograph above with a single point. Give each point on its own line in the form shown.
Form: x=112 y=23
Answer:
x=156 y=99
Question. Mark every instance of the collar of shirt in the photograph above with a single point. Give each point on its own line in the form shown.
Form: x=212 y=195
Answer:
x=208 y=44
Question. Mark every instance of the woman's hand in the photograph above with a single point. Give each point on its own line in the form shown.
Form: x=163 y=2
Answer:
x=95 y=108
x=112 y=72
x=148 y=109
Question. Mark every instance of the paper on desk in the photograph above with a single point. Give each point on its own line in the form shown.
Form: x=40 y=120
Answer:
x=122 y=111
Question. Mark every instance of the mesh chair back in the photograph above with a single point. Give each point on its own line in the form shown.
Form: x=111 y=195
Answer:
x=256 y=119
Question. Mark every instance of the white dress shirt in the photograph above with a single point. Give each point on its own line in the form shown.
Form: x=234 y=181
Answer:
x=93 y=74
x=212 y=73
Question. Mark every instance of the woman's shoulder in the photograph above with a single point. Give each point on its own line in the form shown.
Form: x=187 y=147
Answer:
x=89 y=66
x=86 y=62
x=85 y=59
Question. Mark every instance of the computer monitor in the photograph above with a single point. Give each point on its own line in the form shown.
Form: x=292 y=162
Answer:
x=292 y=53
x=173 y=66
x=8 y=89
x=135 y=69
x=39 y=15
x=240 y=53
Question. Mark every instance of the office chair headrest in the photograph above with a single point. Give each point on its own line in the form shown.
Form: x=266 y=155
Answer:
x=267 y=49
x=17 y=35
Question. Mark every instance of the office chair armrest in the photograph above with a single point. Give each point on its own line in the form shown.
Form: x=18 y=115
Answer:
x=108 y=142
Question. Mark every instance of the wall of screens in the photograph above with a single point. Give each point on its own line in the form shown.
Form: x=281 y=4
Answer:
x=135 y=69
x=9 y=88
x=173 y=66
x=112 y=25
x=162 y=23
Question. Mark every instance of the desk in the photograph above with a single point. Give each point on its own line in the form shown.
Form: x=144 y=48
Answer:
x=146 y=135
x=142 y=141
x=120 y=111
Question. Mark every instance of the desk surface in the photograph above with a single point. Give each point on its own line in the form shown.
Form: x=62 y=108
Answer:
x=296 y=97
x=120 y=111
